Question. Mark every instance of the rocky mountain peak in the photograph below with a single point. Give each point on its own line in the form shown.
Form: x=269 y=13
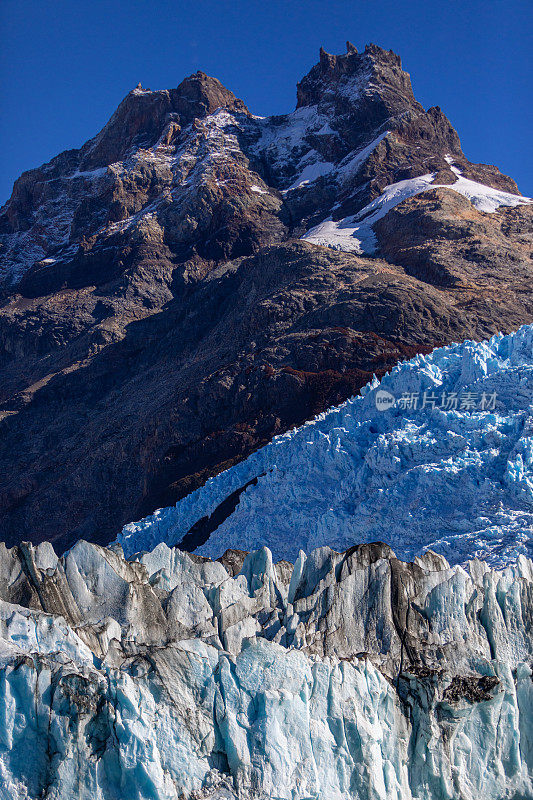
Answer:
x=363 y=95
x=143 y=115
x=200 y=94
x=371 y=70
x=138 y=120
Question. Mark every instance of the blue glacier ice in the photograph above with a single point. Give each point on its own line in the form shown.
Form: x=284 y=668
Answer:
x=348 y=676
x=454 y=474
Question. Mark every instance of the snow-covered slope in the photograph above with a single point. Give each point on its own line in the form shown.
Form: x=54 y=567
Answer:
x=454 y=474
x=355 y=233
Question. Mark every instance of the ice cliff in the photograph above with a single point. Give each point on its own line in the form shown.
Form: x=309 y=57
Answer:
x=449 y=466
x=346 y=676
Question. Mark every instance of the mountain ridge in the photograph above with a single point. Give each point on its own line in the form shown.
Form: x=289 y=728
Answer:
x=150 y=118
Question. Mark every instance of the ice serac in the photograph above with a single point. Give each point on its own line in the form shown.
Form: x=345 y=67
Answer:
x=347 y=676
x=196 y=279
x=448 y=467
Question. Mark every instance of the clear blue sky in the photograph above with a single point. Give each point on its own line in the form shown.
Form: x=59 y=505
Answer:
x=66 y=64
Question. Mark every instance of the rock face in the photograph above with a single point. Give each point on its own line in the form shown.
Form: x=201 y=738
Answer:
x=348 y=675
x=449 y=466
x=195 y=280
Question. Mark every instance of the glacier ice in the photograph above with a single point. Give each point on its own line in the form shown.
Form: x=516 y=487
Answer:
x=456 y=480
x=350 y=676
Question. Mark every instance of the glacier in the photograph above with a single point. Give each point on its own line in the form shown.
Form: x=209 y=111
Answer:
x=294 y=655
x=346 y=676
x=453 y=474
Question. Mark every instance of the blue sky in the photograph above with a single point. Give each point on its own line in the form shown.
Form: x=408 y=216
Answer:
x=66 y=64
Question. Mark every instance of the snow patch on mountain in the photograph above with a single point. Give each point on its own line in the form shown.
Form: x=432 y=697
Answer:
x=286 y=144
x=314 y=167
x=355 y=233
x=343 y=234
x=448 y=467
x=311 y=171
x=352 y=163
x=484 y=198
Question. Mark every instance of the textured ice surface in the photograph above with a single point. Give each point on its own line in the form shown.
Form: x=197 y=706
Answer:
x=350 y=676
x=457 y=480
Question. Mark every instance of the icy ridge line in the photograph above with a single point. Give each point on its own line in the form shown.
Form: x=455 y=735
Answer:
x=456 y=480
x=346 y=675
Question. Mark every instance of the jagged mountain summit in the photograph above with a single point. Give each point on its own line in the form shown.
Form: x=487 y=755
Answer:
x=357 y=130
x=448 y=466
x=348 y=675
x=197 y=279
